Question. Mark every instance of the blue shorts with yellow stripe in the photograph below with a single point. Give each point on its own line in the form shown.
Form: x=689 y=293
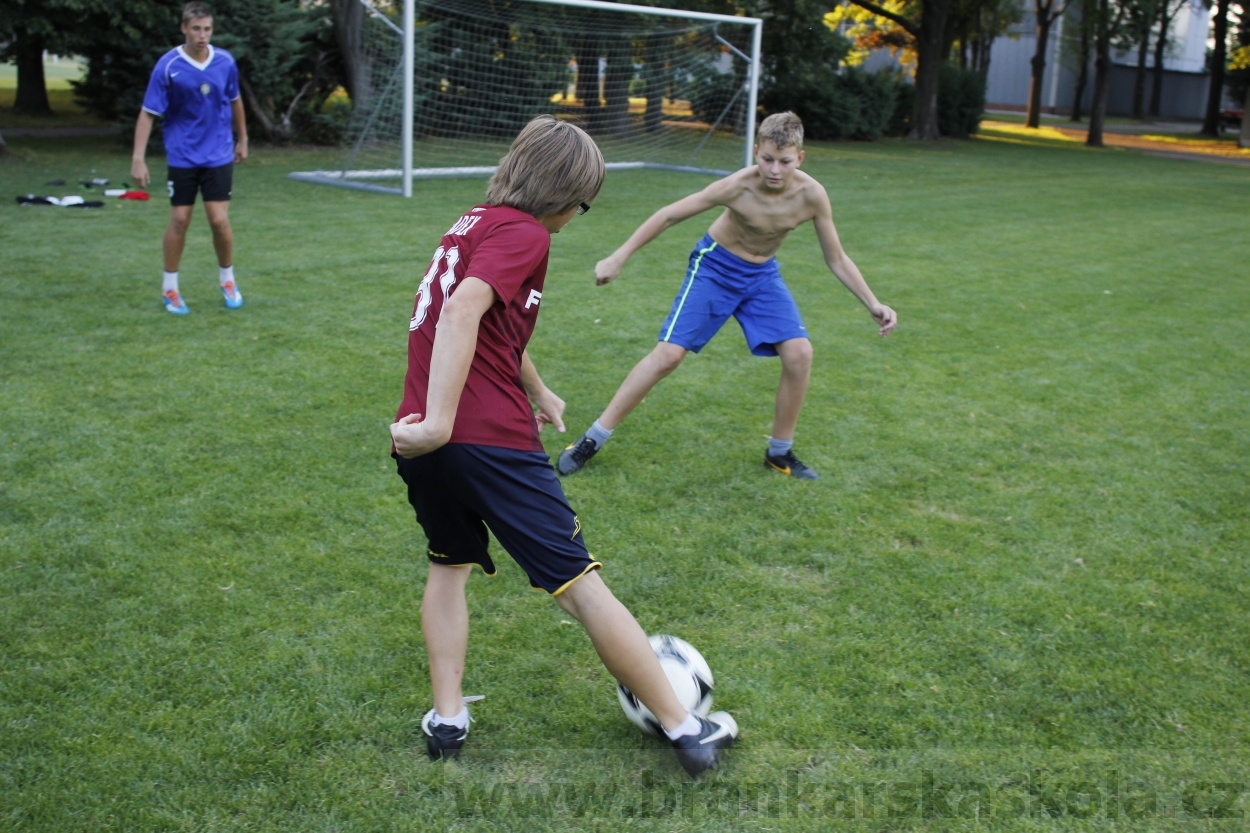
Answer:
x=460 y=491
x=719 y=284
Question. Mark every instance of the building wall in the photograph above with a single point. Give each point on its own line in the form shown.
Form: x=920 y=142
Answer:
x=1184 y=84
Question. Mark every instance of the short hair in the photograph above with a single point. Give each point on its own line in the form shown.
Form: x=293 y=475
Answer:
x=552 y=167
x=783 y=129
x=195 y=10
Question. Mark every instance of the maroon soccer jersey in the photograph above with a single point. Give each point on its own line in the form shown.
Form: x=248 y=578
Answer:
x=507 y=249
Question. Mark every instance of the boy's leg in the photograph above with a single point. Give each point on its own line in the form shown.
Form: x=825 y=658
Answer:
x=223 y=243
x=445 y=625
x=175 y=239
x=223 y=235
x=653 y=367
x=623 y=646
x=796 y=372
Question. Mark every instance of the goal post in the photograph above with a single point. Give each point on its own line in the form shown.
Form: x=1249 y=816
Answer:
x=446 y=85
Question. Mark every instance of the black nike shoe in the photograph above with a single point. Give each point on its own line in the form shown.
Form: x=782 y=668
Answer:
x=700 y=752
x=577 y=455
x=789 y=464
x=442 y=741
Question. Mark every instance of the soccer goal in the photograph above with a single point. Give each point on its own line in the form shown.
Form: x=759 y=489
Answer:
x=449 y=83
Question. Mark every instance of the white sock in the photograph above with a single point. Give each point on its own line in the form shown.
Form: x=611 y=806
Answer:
x=690 y=726
x=226 y=275
x=459 y=721
x=599 y=434
x=169 y=281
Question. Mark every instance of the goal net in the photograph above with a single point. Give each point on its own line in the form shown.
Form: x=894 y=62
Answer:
x=656 y=88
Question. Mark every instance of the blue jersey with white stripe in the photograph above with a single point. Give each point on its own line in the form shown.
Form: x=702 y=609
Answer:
x=194 y=100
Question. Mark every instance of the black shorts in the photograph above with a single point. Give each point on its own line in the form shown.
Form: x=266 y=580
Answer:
x=214 y=183
x=460 y=491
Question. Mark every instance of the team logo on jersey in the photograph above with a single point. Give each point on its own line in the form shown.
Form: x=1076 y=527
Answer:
x=205 y=88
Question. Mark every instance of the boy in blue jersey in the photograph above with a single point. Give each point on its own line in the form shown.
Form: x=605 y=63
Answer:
x=195 y=89
x=733 y=272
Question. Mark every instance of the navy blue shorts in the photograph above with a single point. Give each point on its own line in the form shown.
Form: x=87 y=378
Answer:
x=719 y=284
x=216 y=184
x=460 y=491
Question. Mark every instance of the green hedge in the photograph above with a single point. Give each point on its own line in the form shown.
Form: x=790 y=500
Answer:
x=866 y=106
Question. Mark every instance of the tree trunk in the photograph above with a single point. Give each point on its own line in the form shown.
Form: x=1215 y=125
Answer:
x=1102 y=76
x=1215 y=94
x=1082 y=75
x=1161 y=48
x=349 y=22
x=1139 y=79
x=1044 y=20
x=260 y=115
x=652 y=74
x=617 y=75
x=32 y=90
x=924 y=119
x=1243 y=139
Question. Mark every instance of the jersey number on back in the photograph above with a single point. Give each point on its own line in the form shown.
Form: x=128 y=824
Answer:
x=447 y=258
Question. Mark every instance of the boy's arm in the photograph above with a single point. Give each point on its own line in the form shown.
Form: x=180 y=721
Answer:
x=549 y=407
x=841 y=265
x=139 y=167
x=238 y=121
x=670 y=215
x=455 y=341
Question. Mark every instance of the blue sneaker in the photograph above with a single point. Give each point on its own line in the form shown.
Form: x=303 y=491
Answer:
x=234 y=298
x=174 y=304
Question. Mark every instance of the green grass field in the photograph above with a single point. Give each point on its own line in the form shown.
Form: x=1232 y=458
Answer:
x=1016 y=600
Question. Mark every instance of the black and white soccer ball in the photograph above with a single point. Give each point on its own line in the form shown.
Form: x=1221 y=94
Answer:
x=689 y=675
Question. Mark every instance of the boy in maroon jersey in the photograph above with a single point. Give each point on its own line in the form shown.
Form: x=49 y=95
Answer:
x=466 y=439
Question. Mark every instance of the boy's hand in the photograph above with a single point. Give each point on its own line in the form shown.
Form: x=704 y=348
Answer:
x=139 y=173
x=548 y=410
x=886 y=317
x=413 y=437
x=606 y=270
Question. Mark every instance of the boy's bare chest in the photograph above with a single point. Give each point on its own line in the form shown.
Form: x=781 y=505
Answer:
x=765 y=219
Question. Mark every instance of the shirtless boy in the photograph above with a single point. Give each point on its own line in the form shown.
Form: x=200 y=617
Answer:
x=733 y=272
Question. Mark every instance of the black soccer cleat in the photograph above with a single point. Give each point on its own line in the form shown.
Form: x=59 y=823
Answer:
x=789 y=464
x=700 y=752
x=442 y=741
x=577 y=455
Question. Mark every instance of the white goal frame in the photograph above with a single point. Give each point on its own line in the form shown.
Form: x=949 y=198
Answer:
x=358 y=179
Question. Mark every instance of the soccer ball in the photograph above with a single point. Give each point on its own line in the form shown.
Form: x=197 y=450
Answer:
x=687 y=673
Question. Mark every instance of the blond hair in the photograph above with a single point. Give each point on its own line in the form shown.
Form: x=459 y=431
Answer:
x=194 y=11
x=552 y=167
x=784 y=130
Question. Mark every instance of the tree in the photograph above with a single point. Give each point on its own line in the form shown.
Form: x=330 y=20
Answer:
x=281 y=60
x=1082 y=48
x=349 y=21
x=801 y=55
x=1047 y=12
x=1106 y=26
x=927 y=24
x=27 y=28
x=1141 y=20
x=978 y=23
x=1215 y=93
x=1168 y=10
